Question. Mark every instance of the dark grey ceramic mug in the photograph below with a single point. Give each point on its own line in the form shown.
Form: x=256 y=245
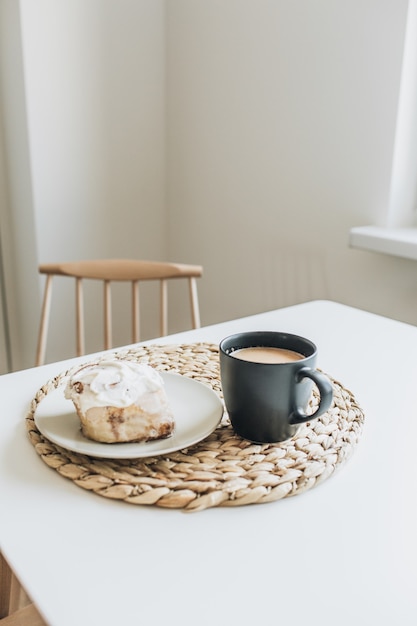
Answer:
x=267 y=402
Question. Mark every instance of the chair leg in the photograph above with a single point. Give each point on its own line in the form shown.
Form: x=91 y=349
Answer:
x=43 y=329
x=79 y=316
x=135 y=312
x=195 y=310
x=107 y=316
x=164 y=307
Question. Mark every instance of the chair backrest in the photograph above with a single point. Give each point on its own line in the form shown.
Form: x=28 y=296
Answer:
x=109 y=270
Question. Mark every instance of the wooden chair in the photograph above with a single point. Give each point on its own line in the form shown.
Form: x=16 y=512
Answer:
x=109 y=270
x=16 y=609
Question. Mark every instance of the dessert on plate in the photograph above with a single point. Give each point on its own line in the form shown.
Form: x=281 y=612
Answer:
x=120 y=401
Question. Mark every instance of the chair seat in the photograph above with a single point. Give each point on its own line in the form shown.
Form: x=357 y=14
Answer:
x=122 y=270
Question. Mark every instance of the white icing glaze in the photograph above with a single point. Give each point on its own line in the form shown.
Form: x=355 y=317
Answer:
x=115 y=383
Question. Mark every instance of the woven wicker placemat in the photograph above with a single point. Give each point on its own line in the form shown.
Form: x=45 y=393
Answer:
x=221 y=470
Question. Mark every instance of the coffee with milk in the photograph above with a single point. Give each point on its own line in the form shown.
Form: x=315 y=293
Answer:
x=266 y=354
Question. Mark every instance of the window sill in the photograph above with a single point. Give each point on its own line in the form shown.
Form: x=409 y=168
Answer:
x=401 y=242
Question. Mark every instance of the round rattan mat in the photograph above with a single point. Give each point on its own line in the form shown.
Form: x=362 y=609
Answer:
x=221 y=470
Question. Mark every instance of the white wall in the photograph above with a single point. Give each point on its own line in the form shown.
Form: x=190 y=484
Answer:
x=246 y=135
x=94 y=78
x=281 y=128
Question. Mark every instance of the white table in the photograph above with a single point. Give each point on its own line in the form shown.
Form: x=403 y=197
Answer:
x=342 y=553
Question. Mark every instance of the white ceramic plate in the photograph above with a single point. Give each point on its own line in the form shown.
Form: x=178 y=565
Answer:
x=197 y=412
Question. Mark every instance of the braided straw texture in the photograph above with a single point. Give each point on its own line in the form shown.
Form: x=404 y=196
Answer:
x=221 y=470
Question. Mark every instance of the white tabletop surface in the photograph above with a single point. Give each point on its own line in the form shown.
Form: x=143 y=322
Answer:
x=342 y=553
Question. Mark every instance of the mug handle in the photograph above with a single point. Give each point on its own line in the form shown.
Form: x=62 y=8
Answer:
x=326 y=395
